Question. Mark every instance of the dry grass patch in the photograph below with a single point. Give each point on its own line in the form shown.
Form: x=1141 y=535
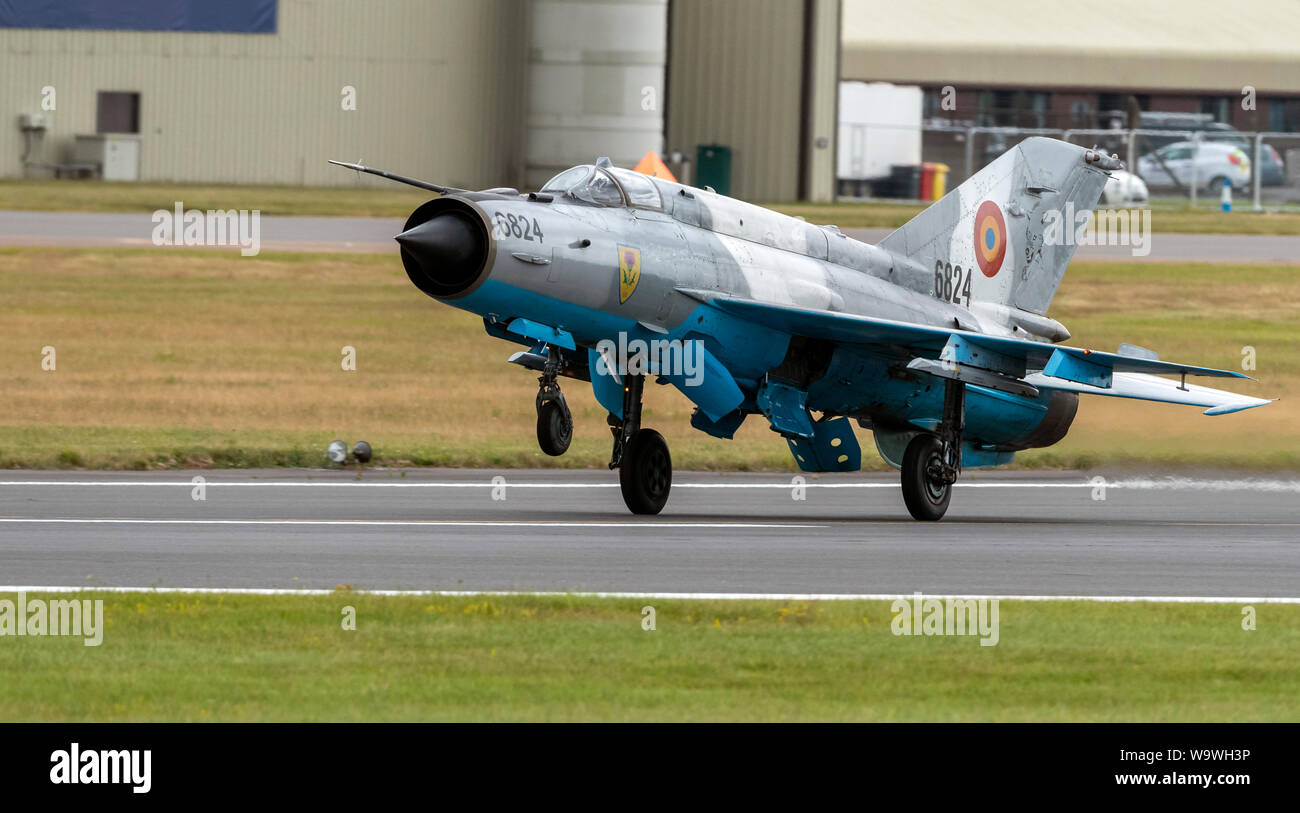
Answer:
x=201 y=358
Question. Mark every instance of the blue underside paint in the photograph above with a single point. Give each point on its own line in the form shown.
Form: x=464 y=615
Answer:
x=833 y=447
x=715 y=391
x=1072 y=368
x=724 y=428
x=740 y=353
x=605 y=385
x=786 y=407
x=542 y=333
x=749 y=350
x=976 y=458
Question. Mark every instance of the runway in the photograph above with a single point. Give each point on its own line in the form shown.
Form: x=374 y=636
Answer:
x=1007 y=533
x=374 y=234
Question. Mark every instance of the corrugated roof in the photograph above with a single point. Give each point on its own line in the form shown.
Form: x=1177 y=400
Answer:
x=1172 y=44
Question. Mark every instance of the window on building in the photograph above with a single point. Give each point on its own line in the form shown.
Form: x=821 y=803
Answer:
x=1034 y=108
x=1004 y=108
x=1284 y=115
x=117 y=112
x=1011 y=108
x=1081 y=114
x=1220 y=107
x=985 y=115
x=932 y=104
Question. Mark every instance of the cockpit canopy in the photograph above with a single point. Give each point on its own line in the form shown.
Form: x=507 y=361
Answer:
x=606 y=186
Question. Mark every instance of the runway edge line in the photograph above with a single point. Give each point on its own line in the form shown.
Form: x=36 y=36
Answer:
x=277 y=591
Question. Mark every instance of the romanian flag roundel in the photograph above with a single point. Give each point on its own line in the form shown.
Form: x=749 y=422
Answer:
x=990 y=238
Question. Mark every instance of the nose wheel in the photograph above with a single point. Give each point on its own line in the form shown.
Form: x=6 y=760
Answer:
x=554 y=426
x=645 y=467
x=554 y=421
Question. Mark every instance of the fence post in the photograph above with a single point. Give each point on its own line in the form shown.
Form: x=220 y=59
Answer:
x=1256 y=166
x=1196 y=170
x=970 y=154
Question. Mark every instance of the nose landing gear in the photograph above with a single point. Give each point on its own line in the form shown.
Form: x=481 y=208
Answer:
x=554 y=421
x=641 y=455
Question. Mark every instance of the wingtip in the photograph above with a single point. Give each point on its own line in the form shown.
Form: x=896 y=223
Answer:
x=1228 y=409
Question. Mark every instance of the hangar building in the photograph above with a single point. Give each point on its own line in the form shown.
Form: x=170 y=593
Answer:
x=482 y=93
x=472 y=93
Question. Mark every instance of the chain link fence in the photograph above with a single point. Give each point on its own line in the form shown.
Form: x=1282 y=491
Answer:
x=1177 y=167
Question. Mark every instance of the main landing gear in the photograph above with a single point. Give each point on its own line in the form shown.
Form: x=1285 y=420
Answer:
x=645 y=473
x=554 y=422
x=932 y=462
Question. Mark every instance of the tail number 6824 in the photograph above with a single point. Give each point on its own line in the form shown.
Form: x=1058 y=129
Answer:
x=951 y=283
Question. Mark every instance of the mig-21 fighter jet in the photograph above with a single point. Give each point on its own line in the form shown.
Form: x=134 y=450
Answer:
x=936 y=339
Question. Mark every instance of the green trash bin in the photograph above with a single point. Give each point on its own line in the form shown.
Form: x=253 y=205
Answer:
x=713 y=167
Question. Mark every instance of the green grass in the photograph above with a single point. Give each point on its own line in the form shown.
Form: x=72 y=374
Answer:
x=239 y=657
x=395 y=200
x=1198 y=314
x=202 y=358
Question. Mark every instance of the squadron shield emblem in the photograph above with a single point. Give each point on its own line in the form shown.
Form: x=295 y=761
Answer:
x=629 y=271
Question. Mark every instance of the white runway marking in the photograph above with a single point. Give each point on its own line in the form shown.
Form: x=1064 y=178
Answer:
x=352 y=523
x=1140 y=483
x=275 y=591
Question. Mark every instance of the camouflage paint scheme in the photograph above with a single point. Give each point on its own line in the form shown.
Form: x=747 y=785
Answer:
x=799 y=318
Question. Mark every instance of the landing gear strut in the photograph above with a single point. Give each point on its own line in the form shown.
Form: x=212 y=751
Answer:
x=645 y=468
x=554 y=422
x=933 y=461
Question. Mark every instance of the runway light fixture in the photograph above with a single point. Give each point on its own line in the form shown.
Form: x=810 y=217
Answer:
x=361 y=452
x=337 y=451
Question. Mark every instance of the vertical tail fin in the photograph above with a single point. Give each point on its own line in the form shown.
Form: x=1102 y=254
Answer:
x=992 y=225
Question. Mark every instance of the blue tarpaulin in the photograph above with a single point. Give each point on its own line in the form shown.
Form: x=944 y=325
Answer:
x=233 y=16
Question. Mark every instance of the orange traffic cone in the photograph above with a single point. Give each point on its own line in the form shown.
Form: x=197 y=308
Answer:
x=653 y=165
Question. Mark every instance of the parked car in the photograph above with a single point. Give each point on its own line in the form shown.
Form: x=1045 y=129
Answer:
x=1179 y=124
x=1124 y=189
x=1215 y=161
x=1271 y=171
x=1178 y=127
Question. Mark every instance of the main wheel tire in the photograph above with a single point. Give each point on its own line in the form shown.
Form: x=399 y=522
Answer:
x=1215 y=186
x=926 y=498
x=646 y=475
x=554 y=428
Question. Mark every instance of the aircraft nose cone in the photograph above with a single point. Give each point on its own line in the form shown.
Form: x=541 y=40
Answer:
x=445 y=254
x=444 y=240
